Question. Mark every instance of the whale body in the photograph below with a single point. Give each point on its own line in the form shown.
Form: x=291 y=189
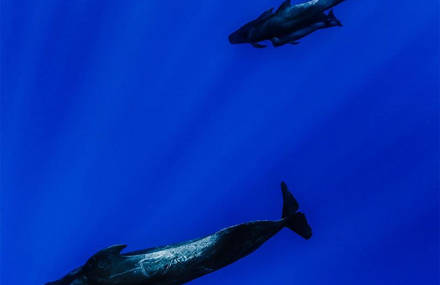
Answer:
x=287 y=24
x=180 y=263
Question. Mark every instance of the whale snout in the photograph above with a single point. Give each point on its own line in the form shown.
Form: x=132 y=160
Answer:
x=240 y=36
x=234 y=38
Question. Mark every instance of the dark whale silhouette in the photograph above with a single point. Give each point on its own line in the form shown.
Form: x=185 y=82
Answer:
x=180 y=263
x=287 y=24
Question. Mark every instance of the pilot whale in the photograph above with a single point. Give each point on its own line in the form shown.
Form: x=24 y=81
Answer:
x=183 y=262
x=287 y=24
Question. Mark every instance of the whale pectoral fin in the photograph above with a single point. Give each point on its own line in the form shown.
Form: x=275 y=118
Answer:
x=331 y=16
x=294 y=43
x=257 y=45
x=276 y=42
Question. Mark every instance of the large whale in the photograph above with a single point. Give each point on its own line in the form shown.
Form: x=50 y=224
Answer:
x=180 y=263
x=287 y=24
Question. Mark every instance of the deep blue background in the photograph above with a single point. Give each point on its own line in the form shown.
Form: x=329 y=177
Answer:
x=138 y=123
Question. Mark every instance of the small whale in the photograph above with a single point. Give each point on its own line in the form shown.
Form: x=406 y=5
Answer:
x=287 y=24
x=183 y=262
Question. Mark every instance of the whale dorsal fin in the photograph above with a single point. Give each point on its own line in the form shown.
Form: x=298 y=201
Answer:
x=283 y=6
x=113 y=249
x=110 y=252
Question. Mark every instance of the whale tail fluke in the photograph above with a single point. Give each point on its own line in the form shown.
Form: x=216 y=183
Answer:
x=296 y=221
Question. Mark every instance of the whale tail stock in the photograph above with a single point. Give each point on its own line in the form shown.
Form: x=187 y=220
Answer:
x=296 y=221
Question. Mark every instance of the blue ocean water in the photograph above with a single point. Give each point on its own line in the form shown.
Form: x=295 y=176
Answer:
x=138 y=123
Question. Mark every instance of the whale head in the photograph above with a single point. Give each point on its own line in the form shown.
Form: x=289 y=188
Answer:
x=242 y=35
x=99 y=264
x=75 y=277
